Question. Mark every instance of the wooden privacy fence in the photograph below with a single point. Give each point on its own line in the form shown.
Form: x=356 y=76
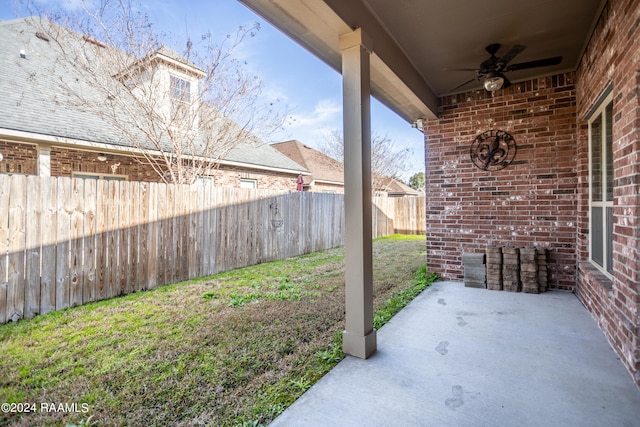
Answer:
x=66 y=242
x=399 y=215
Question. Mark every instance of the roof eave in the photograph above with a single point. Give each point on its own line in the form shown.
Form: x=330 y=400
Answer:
x=317 y=26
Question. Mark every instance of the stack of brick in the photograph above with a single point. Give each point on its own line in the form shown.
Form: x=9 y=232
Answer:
x=542 y=269
x=494 y=268
x=510 y=269
x=474 y=271
x=529 y=270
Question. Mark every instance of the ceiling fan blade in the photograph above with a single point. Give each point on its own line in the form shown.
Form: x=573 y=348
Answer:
x=459 y=69
x=511 y=53
x=463 y=84
x=534 y=64
x=506 y=83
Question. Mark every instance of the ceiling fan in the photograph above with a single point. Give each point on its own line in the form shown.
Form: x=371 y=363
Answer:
x=492 y=70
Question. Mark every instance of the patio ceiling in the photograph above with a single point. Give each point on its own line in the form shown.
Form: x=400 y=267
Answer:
x=415 y=41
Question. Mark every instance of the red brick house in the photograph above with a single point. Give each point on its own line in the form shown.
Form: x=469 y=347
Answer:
x=42 y=135
x=327 y=174
x=570 y=129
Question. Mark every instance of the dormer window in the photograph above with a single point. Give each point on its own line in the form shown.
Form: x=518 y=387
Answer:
x=180 y=89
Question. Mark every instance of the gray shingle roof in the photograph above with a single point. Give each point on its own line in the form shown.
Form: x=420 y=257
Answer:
x=31 y=99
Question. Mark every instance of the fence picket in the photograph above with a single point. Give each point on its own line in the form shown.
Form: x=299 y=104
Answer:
x=152 y=237
x=111 y=270
x=33 y=250
x=162 y=232
x=49 y=197
x=182 y=214
x=143 y=242
x=15 y=265
x=5 y=190
x=134 y=236
x=102 y=216
x=76 y=242
x=206 y=228
x=63 y=231
x=170 y=235
x=124 y=240
x=89 y=267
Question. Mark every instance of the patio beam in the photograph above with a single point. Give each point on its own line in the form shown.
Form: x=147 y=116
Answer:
x=359 y=336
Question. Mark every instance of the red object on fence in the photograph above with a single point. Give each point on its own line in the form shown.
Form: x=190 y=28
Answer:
x=299 y=183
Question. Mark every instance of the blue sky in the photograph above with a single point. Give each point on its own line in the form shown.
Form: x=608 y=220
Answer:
x=310 y=89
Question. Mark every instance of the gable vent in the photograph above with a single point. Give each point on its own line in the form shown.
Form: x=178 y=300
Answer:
x=42 y=36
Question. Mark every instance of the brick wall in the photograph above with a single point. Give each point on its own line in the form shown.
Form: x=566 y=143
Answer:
x=230 y=177
x=612 y=58
x=66 y=161
x=532 y=202
x=324 y=187
x=23 y=158
x=18 y=158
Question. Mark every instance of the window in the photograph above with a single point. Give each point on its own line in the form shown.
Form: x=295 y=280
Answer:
x=106 y=177
x=203 y=180
x=248 y=183
x=601 y=186
x=180 y=89
x=180 y=92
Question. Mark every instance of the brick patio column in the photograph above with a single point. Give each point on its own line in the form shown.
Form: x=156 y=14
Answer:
x=359 y=337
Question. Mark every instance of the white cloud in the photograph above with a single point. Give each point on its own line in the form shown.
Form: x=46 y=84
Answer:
x=326 y=111
x=312 y=127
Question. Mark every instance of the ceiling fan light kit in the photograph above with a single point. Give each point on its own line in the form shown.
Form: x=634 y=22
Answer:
x=493 y=82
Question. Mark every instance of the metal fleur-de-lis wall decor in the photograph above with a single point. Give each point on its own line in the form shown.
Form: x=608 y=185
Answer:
x=493 y=150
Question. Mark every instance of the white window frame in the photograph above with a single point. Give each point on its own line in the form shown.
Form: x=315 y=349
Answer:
x=92 y=175
x=605 y=205
x=248 y=183
x=204 y=180
x=180 y=89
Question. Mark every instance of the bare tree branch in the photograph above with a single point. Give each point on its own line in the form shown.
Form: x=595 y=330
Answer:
x=386 y=160
x=182 y=111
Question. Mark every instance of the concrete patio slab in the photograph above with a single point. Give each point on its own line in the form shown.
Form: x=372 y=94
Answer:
x=461 y=356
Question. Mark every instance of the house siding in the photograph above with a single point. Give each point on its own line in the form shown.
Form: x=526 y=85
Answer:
x=532 y=202
x=612 y=59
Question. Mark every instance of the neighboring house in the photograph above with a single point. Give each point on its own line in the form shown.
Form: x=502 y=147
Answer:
x=395 y=188
x=327 y=173
x=41 y=133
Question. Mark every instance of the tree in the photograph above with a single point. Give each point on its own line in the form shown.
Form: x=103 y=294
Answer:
x=387 y=161
x=182 y=111
x=417 y=181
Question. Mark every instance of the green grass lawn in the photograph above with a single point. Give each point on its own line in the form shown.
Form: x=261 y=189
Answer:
x=234 y=349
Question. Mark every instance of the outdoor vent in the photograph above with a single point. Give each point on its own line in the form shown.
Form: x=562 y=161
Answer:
x=93 y=41
x=42 y=36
